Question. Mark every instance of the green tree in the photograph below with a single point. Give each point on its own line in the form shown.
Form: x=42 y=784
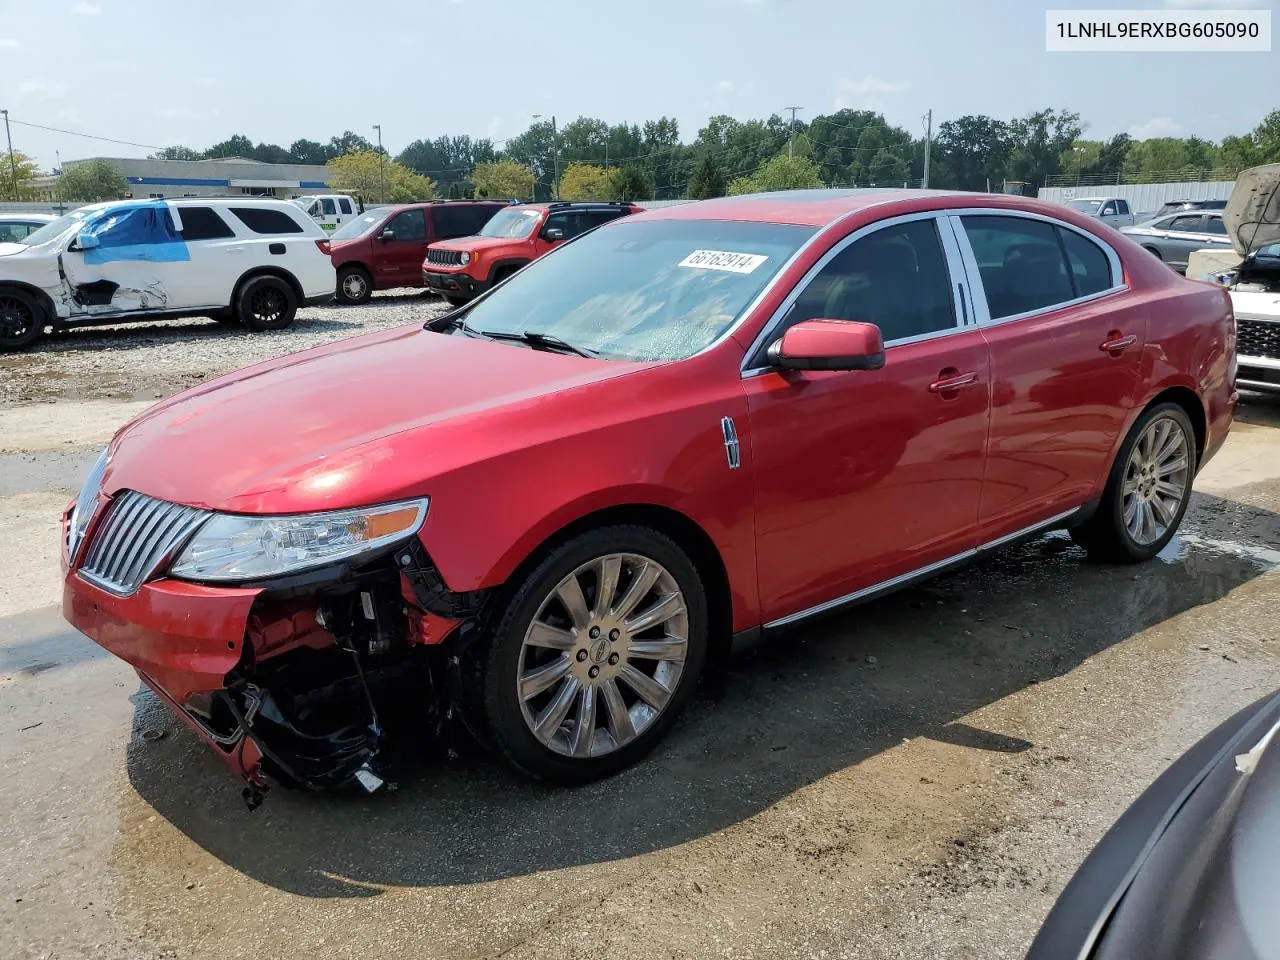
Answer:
x=503 y=180
x=348 y=143
x=1111 y=157
x=629 y=183
x=177 y=153
x=1266 y=138
x=584 y=181
x=780 y=173
x=91 y=181
x=971 y=152
x=237 y=145
x=1238 y=153
x=708 y=179
x=19 y=188
x=366 y=172
x=309 y=151
x=1039 y=140
x=455 y=193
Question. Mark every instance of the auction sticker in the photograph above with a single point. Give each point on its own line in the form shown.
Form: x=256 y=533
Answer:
x=723 y=260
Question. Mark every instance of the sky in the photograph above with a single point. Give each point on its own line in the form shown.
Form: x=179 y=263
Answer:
x=194 y=72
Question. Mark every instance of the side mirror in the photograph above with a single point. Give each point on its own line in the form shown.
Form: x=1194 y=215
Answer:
x=553 y=233
x=828 y=345
x=87 y=241
x=387 y=234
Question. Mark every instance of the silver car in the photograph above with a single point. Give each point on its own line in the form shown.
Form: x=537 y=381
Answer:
x=1172 y=239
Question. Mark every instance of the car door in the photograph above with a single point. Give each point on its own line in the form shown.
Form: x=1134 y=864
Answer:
x=399 y=248
x=1109 y=214
x=1179 y=237
x=1066 y=341
x=217 y=256
x=865 y=476
x=567 y=223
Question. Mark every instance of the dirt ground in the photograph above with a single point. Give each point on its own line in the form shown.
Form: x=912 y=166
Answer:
x=917 y=778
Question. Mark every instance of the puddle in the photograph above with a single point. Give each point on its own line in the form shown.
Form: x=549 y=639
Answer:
x=1185 y=546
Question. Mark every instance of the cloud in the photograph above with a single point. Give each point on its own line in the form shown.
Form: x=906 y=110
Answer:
x=8 y=43
x=87 y=9
x=43 y=88
x=725 y=86
x=868 y=93
x=1155 y=127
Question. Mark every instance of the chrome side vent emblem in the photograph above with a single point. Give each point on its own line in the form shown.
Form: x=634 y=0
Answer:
x=731 y=450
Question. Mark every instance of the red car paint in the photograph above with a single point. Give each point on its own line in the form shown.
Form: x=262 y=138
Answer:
x=847 y=479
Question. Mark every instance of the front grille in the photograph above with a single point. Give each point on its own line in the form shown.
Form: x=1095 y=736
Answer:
x=138 y=535
x=1258 y=338
x=445 y=258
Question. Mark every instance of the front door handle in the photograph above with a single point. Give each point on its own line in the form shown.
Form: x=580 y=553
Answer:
x=950 y=380
x=1115 y=344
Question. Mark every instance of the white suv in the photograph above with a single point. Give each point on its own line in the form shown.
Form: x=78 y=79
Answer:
x=237 y=260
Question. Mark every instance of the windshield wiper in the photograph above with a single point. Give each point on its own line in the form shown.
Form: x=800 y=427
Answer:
x=544 y=341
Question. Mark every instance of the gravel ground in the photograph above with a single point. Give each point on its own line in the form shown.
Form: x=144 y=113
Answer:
x=152 y=360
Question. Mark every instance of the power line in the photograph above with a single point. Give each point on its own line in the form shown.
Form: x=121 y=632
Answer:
x=87 y=136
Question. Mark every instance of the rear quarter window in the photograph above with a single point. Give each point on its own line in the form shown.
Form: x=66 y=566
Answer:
x=1090 y=266
x=266 y=221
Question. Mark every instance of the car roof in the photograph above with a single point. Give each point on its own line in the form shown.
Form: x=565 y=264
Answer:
x=27 y=217
x=818 y=208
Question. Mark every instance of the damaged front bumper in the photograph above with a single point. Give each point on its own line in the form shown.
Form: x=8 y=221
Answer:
x=288 y=685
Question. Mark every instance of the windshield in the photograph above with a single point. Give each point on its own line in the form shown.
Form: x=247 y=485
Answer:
x=1086 y=206
x=358 y=227
x=51 y=231
x=655 y=290
x=511 y=224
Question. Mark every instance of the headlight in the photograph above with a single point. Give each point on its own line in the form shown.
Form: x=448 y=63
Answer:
x=464 y=258
x=234 y=547
x=82 y=512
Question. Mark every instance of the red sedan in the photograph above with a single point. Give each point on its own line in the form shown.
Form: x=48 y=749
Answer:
x=549 y=510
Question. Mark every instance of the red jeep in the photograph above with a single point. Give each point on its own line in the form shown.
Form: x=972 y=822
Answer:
x=383 y=248
x=462 y=269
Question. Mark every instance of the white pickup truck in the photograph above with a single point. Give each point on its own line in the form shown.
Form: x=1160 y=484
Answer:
x=1113 y=211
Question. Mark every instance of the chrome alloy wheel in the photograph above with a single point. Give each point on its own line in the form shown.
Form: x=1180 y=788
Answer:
x=603 y=655
x=354 y=285
x=1157 y=479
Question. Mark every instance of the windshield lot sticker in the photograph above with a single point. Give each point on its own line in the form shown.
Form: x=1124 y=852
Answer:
x=723 y=260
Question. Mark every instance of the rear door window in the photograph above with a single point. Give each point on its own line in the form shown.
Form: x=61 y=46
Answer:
x=1186 y=224
x=266 y=221
x=203 y=223
x=1215 y=225
x=1021 y=263
x=345 y=205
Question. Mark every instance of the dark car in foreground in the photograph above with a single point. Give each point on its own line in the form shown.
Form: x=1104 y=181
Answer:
x=1191 y=871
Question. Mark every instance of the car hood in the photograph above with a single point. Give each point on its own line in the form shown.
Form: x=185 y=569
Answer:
x=360 y=421
x=1252 y=215
x=476 y=244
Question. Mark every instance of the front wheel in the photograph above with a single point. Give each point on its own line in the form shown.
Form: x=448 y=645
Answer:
x=1147 y=491
x=595 y=655
x=21 y=320
x=266 y=303
x=455 y=301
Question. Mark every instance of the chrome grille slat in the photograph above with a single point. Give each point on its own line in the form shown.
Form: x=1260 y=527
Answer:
x=138 y=535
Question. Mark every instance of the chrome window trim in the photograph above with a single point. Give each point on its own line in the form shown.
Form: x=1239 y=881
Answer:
x=983 y=310
x=950 y=252
x=921 y=572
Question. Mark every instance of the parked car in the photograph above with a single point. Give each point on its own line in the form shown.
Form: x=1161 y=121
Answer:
x=1113 y=211
x=1181 y=206
x=1255 y=297
x=546 y=512
x=331 y=210
x=1173 y=239
x=17 y=226
x=462 y=269
x=384 y=247
x=1190 y=870
x=242 y=260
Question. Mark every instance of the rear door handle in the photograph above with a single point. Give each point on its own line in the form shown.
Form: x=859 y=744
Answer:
x=947 y=384
x=1117 y=344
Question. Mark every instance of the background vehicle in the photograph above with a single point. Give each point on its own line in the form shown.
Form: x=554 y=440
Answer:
x=1190 y=869
x=16 y=226
x=462 y=269
x=330 y=210
x=243 y=260
x=384 y=247
x=1181 y=206
x=708 y=420
x=1113 y=211
x=1174 y=238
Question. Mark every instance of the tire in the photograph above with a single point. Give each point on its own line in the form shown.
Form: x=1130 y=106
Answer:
x=599 y=655
x=266 y=303
x=1136 y=483
x=355 y=286
x=456 y=301
x=22 y=320
x=1154 y=251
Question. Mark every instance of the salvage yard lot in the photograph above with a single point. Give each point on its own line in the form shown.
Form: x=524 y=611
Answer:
x=917 y=778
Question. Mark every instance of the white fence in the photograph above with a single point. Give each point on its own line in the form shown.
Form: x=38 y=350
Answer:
x=1144 y=197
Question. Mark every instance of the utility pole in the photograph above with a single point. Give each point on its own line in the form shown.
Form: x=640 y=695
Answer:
x=555 y=157
x=928 y=142
x=382 y=173
x=791 y=141
x=13 y=164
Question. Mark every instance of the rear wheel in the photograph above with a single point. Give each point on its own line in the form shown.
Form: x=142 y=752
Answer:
x=355 y=286
x=22 y=320
x=1148 y=490
x=594 y=655
x=266 y=303
x=1154 y=251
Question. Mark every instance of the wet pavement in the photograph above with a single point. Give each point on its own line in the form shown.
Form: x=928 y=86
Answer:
x=919 y=777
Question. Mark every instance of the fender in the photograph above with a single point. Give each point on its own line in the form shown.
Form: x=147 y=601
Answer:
x=274 y=271
x=502 y=264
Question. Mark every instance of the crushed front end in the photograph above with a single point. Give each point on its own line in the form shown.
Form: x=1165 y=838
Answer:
x=310 y=679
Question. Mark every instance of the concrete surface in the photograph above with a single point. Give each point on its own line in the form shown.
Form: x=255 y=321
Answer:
x=918 y=778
